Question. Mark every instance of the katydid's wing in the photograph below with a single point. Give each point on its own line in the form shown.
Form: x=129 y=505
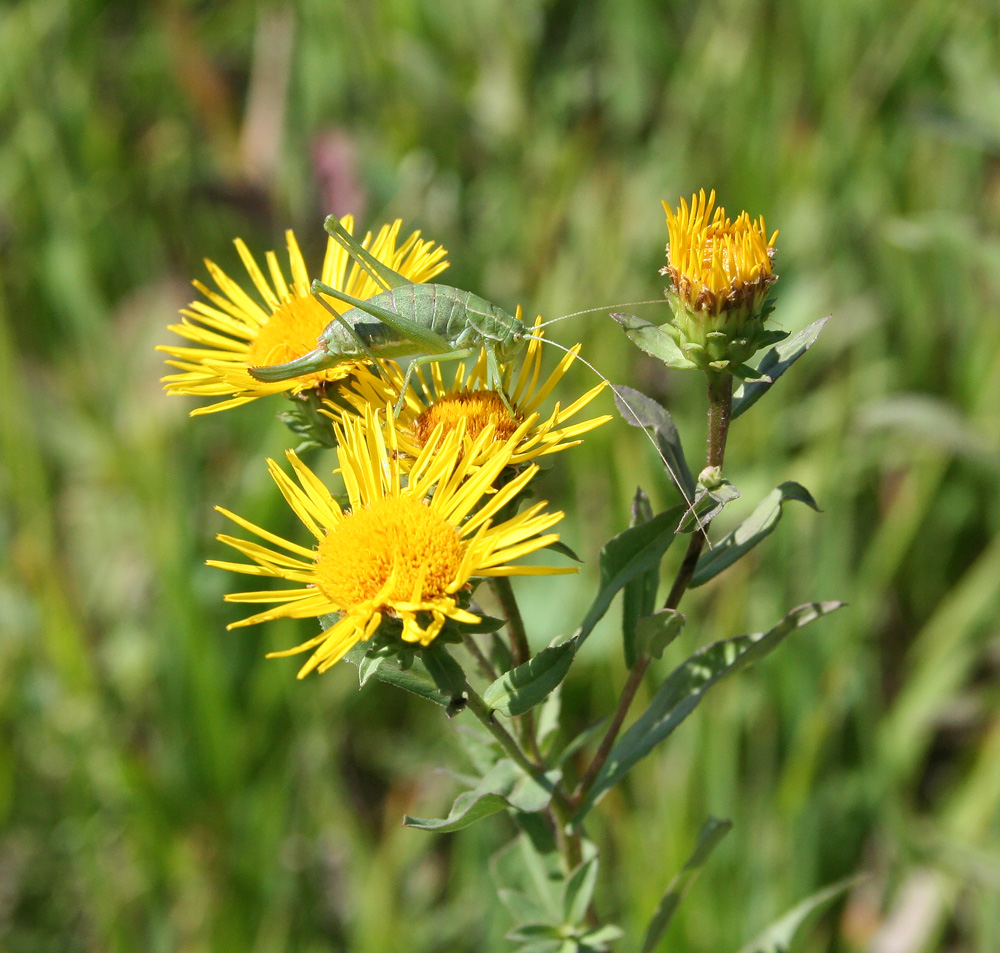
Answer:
x=379 y=272
x=427 y=340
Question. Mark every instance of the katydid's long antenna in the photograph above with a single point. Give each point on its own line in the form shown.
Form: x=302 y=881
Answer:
x=680 y=488
x=624 y=304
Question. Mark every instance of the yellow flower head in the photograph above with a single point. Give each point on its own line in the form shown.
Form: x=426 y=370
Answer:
x=717 y=265
x=467 y=404
x=405 y=549
x=233 y=331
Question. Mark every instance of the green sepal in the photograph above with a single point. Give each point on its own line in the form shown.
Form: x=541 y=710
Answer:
x=520 y=689
x=656 y=631
x=626 y=556
x=448 y=675
x=684 y=689
x=773 y=364
x=638 y=410
x=658 y=341
x=560 y=547
x=505 y=785
x=304 y=419
x=485 y=625
x=759 y=524
x=712 y=831
x=639 y=596
x=415 y=679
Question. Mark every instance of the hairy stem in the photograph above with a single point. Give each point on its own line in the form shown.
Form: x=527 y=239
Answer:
x=559 y=810
x=507 y=741
x=479 y=656
x=720 y=403
x=520 y=652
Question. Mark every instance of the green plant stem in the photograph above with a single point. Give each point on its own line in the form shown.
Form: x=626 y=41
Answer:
x=520 y=653
x=560 y=810
x=720 y=403
x=507 y=741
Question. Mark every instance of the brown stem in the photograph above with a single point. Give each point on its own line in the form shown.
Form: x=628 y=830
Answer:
x=504 y=591
x=485 y=666
x=720 y=403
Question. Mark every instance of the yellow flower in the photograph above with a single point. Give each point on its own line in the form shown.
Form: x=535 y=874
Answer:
x=234 y=331
x=406 y=551
x=467 y=403
x=717 y=265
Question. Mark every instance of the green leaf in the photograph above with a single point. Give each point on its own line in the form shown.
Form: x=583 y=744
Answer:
x=522 y=907
x=684 y=689
x=773 y=364
x=638 y=410
x=578 y=891
x=653 y=339
x=655 y=632
x=505 y=785
x=750 y=532
x=639 y=596
x=447 y=674
x=580 y=741
x=534 y=931
x=597 y=940
x=628 y=555
x=519 y=690
x=486 y=624
x=415 y=679
x=712 y=831
x=778 y=937
x=547 y=720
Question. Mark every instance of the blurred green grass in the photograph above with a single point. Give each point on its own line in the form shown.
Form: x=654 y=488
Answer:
x=162 y=787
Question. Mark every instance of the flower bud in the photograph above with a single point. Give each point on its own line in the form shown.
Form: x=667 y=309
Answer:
x=720 y=272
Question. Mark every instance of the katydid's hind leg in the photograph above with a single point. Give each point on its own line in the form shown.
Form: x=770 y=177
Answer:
x=340 y=319
x=494 y=378
x=407 y=329
x=459 y=355
x=378 y=271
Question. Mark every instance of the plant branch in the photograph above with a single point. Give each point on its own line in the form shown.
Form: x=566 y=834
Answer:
x=520 y=653
x=507 y=741
x=720 y=402
x=485 y=666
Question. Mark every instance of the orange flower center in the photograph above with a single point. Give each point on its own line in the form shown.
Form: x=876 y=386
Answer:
x=477 y=408
x=291 y=331
x=398 y=537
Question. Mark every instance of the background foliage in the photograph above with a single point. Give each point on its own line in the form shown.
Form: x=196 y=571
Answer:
x=162 y=787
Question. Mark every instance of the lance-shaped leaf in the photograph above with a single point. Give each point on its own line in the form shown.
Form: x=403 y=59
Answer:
x=750 y=532
x=773 y=364
x=505 y=785
x=778 y=937
x=712 y=831
x=656 y=340
x=641 y=411
x=520 y=689
x=578 y=891
x=684 y=689
x=627 y=556
x=639 y=596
